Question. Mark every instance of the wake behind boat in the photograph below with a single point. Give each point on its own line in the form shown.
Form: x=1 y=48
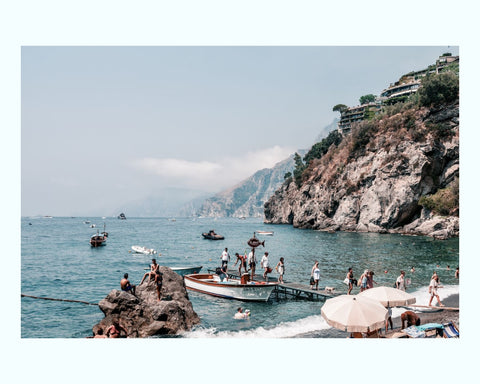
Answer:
x=231 y=288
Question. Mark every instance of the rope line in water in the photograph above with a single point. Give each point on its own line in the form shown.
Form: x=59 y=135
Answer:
x=50 y=298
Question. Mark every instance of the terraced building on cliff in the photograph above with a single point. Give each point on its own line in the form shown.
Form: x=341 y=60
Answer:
x=399 y=91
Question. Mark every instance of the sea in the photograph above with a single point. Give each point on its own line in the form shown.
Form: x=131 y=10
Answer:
x=58 y=262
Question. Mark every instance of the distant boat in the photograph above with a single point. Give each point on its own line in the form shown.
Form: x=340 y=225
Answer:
x=122 y=216
x=211 y=235
x=99 y=239
x=265 y=233
x=92 y=226
x=86 y=222
x=144 y=250
x=229 y=289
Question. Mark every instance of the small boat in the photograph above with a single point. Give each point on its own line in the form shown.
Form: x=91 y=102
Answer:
x=99 y=239
x=265 y=233
x=182 y=271
x=211 y=235
x=229 y=289
x=144 y=250
x=121 y=216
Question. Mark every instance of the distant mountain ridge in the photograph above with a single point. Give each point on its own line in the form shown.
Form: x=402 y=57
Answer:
x=246 y=199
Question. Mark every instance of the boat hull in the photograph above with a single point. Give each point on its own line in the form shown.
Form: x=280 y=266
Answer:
x=143 y=250
x=231 y=289
x=212 y=237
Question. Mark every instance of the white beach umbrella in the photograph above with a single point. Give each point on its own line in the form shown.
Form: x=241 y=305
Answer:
x=352 y=313
x=388 y=296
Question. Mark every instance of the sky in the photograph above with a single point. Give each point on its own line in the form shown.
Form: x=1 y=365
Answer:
x=105 y=126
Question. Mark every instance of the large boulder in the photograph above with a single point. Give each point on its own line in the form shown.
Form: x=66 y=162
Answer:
x=143 y=315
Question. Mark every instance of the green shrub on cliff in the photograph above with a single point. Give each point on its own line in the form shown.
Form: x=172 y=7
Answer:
x=438 y=89
x=444 y=202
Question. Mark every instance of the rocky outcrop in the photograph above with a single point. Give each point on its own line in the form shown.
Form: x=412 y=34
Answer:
x=373 y=181
x=143 y=315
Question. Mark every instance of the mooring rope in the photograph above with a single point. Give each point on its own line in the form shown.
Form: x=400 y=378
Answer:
x=50 y=298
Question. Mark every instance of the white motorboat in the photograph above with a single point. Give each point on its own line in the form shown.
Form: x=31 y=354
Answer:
x=144 y=250
x=265 y=233
x=229 y=288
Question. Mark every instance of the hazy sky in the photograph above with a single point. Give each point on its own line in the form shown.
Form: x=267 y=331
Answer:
x=102 y=126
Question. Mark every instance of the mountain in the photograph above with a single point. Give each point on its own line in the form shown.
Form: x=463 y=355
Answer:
x=397 y=173
x=167 y=202
x=246 y=199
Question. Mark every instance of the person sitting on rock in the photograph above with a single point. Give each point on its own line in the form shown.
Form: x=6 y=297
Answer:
x=126 y=286
x=154 y=267
x=115 y=330
x=99 y=334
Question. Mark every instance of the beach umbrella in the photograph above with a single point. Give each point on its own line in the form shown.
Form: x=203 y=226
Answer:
x=388 y=296
x=352 y=313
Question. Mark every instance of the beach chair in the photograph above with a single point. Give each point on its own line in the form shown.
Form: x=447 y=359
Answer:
x=450 y=330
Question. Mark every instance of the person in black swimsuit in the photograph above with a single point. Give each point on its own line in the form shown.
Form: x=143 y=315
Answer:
x=159 y=283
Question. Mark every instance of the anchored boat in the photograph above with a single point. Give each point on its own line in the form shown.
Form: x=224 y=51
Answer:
x=240 y=289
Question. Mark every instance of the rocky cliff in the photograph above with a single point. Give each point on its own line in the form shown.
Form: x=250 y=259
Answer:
x=247 y=198
x=375 y=178
x=143 y=315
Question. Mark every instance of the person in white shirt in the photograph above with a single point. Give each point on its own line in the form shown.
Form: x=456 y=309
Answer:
x=400 y=283
x=316 y=275
x=432 y=289
x=225 y=258
x=264 y=263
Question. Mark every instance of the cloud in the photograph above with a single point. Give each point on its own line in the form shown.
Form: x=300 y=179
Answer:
x=211 y=176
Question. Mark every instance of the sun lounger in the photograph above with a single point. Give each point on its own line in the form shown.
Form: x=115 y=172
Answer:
x=450 y=330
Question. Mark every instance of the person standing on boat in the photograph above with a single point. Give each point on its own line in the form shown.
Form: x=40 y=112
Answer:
x=154 y=267
x=126 y=286
x=264 y=263
x=280 y=268
x=243 y=263
x=225 y=257
x=252 y=262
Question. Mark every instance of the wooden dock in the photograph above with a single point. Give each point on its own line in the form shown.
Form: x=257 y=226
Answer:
x=289 y=290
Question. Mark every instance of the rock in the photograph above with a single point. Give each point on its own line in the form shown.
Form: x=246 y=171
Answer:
x=378 y=186
x=143 y=315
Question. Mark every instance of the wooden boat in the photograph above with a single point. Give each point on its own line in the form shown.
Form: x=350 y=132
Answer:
x=230 y=289
x=99 y=239
x=265 y=233
x=182 y=271
x=211 y=235
x=144 y=250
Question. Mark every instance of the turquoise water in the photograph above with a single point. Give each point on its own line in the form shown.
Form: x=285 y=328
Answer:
x=58 y=262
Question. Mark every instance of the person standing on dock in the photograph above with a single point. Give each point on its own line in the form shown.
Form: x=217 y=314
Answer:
x=315 y=273
x=252 y=262
x=280 y=268
x=264 y=263
x=225 y=257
